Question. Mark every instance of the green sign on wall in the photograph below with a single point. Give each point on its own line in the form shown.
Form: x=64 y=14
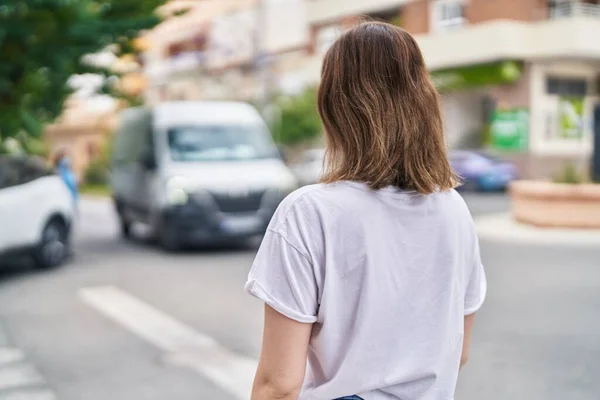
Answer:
x=509 y=129
x=477 y=75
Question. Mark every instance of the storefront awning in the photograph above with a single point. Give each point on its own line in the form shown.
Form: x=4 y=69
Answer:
x=474 y=76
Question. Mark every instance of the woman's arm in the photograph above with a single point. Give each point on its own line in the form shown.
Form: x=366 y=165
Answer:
x=283 y=358
x=469 y=320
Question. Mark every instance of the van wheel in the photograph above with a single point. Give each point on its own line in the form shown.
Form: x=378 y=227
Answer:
x=53 y=248
x=168 y=239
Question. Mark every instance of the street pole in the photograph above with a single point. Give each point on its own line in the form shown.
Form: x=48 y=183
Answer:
x=596 y=151
x=262 y=68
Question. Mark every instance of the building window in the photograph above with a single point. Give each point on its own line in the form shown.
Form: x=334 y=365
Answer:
x=569 y=8
x=566 y=86
x=447 y=14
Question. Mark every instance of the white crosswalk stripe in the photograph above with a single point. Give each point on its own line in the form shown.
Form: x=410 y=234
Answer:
x=26 y=394
x=20 y=380
x=15 y=376
x=184 y=346
x=10 y=355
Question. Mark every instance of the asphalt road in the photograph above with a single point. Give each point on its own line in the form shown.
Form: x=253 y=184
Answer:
x=125 y=321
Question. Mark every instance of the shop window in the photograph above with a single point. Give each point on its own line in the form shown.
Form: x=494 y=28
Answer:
x=569 y=118
x=566 y=86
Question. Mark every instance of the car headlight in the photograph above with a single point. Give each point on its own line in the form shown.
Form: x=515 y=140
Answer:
x=177 y=190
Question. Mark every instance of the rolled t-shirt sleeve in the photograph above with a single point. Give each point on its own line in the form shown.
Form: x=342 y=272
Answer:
x=283 y=277
x=476 y=288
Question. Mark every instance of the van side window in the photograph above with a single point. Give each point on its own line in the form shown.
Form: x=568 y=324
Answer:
x=147 y=142
x=133 y=135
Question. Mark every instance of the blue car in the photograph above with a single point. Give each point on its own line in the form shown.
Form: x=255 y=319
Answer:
x=481 y=171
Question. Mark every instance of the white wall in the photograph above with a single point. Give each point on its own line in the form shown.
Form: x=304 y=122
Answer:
x=286 y=25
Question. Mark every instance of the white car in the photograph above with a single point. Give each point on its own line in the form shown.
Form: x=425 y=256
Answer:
x=36 y=212
x=310 y=168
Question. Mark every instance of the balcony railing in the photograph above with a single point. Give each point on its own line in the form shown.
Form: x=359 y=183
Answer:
x=180 y=63
x=575 y=9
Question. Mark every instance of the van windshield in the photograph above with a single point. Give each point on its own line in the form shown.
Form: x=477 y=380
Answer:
x=220 y=143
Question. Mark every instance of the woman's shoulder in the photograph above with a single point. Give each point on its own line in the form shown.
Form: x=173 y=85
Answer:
x=320 y=194
x=302 y=196
x=307 y=203
x=454 y=199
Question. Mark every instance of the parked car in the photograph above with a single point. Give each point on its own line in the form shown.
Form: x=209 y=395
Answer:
x=197 y=172
x=310 y=167
x=481 y=171
x=36 y=211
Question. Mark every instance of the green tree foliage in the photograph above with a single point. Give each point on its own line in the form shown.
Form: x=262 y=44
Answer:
x=42 y=43
x=300 y=120
x=24 y=144
x=96 y=173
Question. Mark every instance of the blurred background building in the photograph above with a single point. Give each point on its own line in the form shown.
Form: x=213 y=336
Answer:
x=520 y=77
x=220 y=49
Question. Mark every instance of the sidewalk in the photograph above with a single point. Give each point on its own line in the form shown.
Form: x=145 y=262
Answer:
x=502 y=227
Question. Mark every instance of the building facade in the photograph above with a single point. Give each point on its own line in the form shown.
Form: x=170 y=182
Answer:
x=82 y=131
x=520 y=77
x=221 y=49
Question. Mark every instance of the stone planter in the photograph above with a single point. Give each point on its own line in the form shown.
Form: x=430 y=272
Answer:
x=556 y=205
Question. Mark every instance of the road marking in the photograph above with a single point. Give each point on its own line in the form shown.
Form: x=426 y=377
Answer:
x=232 y=372
x=3 y=338
x=29 y=395
x=19 y=375
x=9 y=355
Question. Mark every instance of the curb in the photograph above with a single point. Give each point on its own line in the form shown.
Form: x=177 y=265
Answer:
x=502 y=227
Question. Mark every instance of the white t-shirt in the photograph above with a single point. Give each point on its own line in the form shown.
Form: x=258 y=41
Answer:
x=386 y=278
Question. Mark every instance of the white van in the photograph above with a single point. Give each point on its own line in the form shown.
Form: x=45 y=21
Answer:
x=197 y=172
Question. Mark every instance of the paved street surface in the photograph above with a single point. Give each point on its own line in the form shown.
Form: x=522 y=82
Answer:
x=125 y=321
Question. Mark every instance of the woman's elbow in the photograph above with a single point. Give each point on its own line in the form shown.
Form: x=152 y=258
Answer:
x=267 y=389
x=463 y=360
